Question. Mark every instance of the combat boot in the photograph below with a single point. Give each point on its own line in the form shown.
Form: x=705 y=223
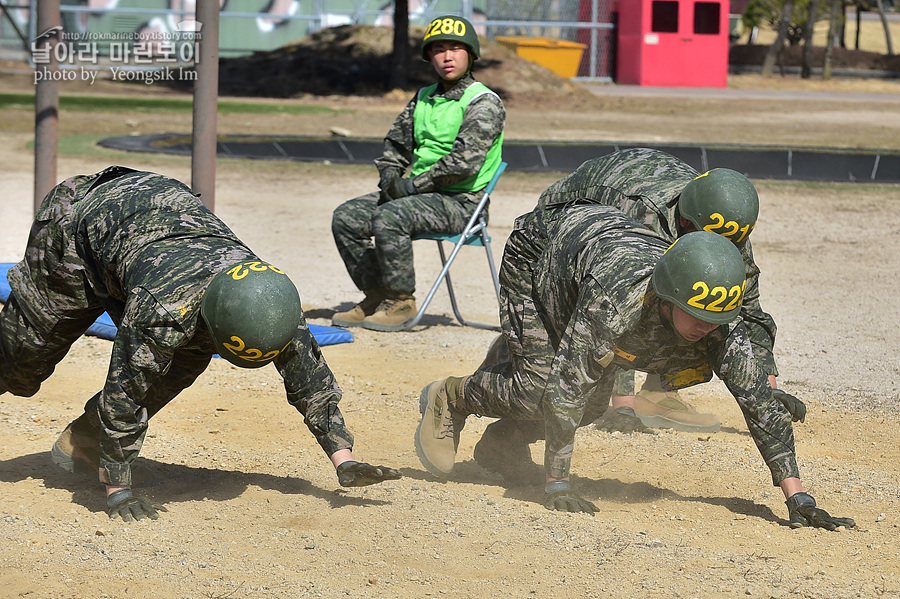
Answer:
x=392 y=315
x=354 y=316
x=443 y=418
x=504 y=449
x=78 y=448
x=666 y=409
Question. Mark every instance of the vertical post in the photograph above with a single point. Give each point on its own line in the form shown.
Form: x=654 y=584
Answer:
x=595 y=36
x=206 y=91
x=46 y=101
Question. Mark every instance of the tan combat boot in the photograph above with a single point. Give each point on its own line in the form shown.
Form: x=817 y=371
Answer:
x=354 y=316
x=437 y=436
x=392 y=315
x=666 y=409
x=78 y=448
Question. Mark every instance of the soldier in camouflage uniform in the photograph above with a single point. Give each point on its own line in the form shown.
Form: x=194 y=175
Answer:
x=587 y=290
x=143 y=248
x=449 y=136
x=670 y=197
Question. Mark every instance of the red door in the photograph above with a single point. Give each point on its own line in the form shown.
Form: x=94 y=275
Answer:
x=674 y=43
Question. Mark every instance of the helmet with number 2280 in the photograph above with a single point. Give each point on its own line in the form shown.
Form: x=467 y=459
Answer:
x=451 y=28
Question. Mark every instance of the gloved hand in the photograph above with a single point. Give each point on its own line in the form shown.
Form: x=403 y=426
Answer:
x=793 y=405
x=383 y=198
x=802 y=511
x=624 y=420
x=360 y=474
x=399 y=188
x=123 y=503
x=559 y=497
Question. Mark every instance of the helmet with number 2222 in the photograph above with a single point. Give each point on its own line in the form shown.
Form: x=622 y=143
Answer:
x=252 y=310
x=703 y=274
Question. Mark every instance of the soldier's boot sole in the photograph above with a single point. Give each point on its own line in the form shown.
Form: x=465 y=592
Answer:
x=668 y=423
x=349 y=319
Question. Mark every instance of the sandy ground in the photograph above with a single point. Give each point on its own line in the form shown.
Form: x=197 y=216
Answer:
x=254 y=508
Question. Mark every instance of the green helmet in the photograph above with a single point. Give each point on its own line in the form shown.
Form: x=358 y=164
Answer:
x=703 y=274
x=722 y=201
x=451 y=27
x=252 y=311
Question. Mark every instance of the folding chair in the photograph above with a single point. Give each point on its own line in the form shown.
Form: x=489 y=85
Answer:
x=475 y=234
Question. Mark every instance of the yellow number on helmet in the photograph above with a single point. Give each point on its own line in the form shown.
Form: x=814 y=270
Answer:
x=237 y=347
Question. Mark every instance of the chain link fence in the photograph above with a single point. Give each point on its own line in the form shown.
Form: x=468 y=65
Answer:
x=249 y=26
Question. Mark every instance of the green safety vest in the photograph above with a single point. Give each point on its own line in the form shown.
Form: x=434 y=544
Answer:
x=436 y=122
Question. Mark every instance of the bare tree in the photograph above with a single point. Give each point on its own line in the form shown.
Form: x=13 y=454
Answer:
x=879 y=4
x=806 y=67
x=776 y=47
x=832 y=35
x=400 y=54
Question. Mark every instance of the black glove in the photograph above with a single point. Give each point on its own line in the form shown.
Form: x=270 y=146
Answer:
x=123 y=503
x=360 y=474
x=383 y=198
x=802 y=511
x=793 y=405
x=399 y=188
x=559 y=497
x=623 y=420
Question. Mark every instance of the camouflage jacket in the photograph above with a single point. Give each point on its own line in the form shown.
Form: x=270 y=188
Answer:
x=483 y=123
x=591 y=285
x=146 y=248
x=645 y=184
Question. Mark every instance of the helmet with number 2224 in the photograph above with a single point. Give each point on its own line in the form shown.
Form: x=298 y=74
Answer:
x=722 y=201
x=451 y=28
x=703 y=274
x=252 y=311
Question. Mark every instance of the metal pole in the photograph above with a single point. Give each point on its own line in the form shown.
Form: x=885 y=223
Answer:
x=595 y=36
x=46 y=102
x=206 y=91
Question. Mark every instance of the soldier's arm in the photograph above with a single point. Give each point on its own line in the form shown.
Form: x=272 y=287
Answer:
x=397 y=155
x=770 y=426
x=584 y=353
x=482 y=124
x=767 y=419
x=760 y=325
x=312 y=389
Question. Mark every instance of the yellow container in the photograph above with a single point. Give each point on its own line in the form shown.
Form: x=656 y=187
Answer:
x=561 y=57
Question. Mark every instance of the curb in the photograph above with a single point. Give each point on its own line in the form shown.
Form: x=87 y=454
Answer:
x=756 y=162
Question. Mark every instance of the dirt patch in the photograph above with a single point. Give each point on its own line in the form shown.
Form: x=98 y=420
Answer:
x=356 y=60
x=255 y=510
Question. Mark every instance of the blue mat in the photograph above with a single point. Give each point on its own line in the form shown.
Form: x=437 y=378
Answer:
x=106 y=329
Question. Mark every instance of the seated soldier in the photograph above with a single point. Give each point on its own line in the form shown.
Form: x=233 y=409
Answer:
x=450 y=138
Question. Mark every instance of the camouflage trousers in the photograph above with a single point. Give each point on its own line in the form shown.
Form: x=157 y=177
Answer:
x=512 y=379
x=375 y=241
